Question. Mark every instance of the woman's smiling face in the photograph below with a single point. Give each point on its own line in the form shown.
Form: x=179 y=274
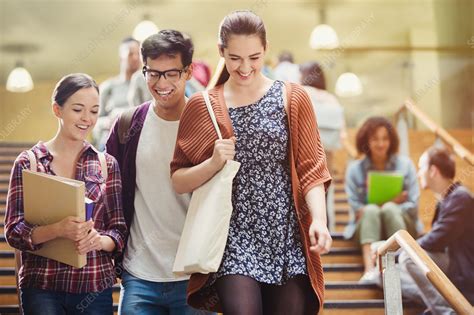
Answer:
x=244 y=58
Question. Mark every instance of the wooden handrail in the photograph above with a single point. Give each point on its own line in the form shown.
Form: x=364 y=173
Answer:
x=441 y=282
x=457 y=147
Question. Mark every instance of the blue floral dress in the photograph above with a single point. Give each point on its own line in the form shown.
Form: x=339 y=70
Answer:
x=264 y=240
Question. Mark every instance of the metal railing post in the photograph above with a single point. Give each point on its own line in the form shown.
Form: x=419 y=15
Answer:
x=391 y=285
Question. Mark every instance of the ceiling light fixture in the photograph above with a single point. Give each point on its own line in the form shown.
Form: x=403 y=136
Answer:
x=348 y=84
x=323 y=35
x=19 y=80
x=144 y=29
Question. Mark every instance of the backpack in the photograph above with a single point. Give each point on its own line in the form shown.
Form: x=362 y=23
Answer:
x=124 y=123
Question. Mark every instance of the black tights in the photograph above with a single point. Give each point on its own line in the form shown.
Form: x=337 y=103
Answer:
x=243 y=295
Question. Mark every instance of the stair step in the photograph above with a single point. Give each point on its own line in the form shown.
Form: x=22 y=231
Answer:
x=8 y=294
x=5 y=169
x=351 y=290
x=7 y=160
x=13 y=309
x=333 y=272
x=334 y=291
x=17 y=144
x=11 y=152
x=343 y=272
x=5 y=177
x=349 y=255
x=7 y=258
x=7 y=276
x=342 y=216
x=338 y=241
x=365 y=307
x=3 y=242
x=361 y=307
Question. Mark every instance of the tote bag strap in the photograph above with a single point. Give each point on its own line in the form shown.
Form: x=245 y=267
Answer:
x=32 y=158
x=205 y=94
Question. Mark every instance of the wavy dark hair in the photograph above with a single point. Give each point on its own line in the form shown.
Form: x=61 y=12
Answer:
x=168 y=42
x=368 y=129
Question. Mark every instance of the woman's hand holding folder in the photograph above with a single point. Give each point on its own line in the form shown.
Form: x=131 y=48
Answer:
x=74 y=228
x=71 y=227
x=94 y=241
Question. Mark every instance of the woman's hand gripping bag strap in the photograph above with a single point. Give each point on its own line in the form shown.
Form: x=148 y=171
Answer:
x=206 y=227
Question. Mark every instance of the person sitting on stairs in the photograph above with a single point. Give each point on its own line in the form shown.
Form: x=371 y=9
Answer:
x=377 y=139
x=450 y=242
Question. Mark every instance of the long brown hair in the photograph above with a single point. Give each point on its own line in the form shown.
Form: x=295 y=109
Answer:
x=242 y=22
x=70 y=84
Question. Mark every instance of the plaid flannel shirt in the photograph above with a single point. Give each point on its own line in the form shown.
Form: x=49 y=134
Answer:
x=43 y=273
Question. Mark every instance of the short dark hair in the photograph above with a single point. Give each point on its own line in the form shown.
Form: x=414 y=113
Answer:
x=443 y=160
x=168 y=42
x=285 y=56
x=368 y=129
x=312 y=74
x=70 y=84
x=129 y=39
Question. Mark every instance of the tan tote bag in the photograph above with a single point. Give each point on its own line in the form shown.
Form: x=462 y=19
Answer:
x=206 y=227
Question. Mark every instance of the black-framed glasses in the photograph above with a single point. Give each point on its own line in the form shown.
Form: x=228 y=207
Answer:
x=172 y=75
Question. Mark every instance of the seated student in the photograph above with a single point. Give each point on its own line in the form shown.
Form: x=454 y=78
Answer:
x=48 y=286
x=450 y=243
x=378 y=140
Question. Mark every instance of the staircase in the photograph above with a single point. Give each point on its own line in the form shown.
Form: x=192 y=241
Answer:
x=342 y=266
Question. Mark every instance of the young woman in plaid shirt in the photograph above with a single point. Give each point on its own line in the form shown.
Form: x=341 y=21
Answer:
x=48 y=286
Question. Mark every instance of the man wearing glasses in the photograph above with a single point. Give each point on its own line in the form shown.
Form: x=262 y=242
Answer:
x=143 y=140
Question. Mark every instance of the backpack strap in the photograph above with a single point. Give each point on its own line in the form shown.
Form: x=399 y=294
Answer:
x=102 y=160
x=103 y=165
x=32 y=158
x=124 y=123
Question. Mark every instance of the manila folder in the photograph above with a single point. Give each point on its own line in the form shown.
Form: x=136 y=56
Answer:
x=49 y=199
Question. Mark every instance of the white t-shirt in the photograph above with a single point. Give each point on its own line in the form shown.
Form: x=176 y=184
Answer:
x=159 y=211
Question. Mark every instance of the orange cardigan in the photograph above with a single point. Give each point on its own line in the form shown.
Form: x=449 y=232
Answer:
x=195 y=143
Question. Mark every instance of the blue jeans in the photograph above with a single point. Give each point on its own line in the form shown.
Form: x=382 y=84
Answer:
x=144 y=297
x=39 y=302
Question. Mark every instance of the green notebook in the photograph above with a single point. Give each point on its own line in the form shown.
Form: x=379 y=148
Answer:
x=383 y=186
